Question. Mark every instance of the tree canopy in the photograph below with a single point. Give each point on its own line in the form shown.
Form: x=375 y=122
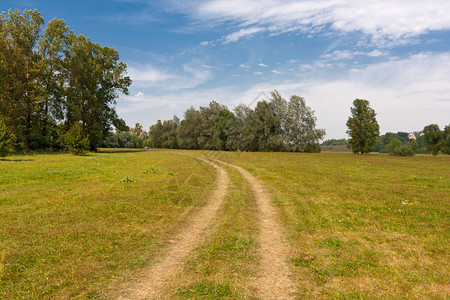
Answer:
x=363 y=127
x=52 y=79
x=273 y=125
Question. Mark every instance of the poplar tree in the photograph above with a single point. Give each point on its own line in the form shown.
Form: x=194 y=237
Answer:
x=363 y=127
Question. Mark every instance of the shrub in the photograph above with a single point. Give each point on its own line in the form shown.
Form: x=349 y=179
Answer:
x=5 y=140
x=404 y=150
x=75 y=141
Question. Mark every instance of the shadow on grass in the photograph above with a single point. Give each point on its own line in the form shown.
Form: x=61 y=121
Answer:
x=121 y=150
x=16 y=160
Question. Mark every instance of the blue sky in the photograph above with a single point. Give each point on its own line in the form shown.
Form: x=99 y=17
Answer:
x=396 y=54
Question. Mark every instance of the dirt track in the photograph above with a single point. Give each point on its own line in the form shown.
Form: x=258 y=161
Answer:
x=151 y=284
x=274 y=279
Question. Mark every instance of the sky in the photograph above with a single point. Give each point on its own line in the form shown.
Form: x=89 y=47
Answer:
x=396 y=54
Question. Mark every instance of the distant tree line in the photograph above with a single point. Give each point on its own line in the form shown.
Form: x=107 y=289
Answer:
x=275 y=124
x=52 y=80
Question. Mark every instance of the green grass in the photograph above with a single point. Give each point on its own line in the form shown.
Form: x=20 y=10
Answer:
x=70 y=225
x=362 y=226
x=372 y=226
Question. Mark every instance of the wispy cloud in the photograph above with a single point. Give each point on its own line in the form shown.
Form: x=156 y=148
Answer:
x=347 y=54
x=384 y=22
x=262 y=65
x=246 y=32
x=150 y=77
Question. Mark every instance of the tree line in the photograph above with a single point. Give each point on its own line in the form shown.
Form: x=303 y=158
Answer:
x=53 y=81
x=275 y=124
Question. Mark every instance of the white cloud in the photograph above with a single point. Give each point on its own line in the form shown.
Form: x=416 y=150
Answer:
x=347 y=54
x=244 y=66
x=385 y=22
x=147 y=74
x=276 y=72
x=263 y=65
x=258 y=73
x=376 y=53
x=245 y=32
x=150 y=77
x=339 y=55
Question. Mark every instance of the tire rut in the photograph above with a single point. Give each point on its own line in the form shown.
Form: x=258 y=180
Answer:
x=150 y=285
x=275 y=280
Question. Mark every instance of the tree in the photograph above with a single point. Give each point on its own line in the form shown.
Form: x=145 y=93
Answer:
x=5 y=139
x=222 y=123
x=301 y=133
x=19 y=100
x=76 y=141
x=433 y=136
x=266 y=126
x=53 y=46
x=206 y=128
x=363 y=127
x=51 y=79
x=189 y=131
x=445 y=144
x=95 y=76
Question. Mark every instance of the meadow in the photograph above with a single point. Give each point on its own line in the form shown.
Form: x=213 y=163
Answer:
x=372 y=226
x=69 y=225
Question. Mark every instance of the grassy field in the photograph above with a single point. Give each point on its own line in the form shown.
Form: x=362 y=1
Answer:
x=70 y=225
x=370 y=226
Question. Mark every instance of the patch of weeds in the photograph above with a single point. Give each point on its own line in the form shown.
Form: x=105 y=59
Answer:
x=331 y=243
x=205 y=290
x=128 y=179
x=152 y=170
x=171 y=173
x=322 y=274
x=304 y=261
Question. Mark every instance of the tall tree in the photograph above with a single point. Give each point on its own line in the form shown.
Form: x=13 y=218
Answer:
x=433 y=138
x=53 y=46
x=363 y=127
x=5 y=139
x=266 y=126
x=189 y=131
x=20 y=95
x=301 y=133
x=222 y=134
x=96 y=76
x=207 y=117
x=241 y=135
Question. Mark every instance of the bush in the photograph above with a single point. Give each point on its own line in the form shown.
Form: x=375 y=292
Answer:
x=75 y=141
x=404 y=150
x=5 y=140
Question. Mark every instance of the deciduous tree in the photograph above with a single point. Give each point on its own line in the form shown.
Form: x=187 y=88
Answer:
x=433 y=138
x=363 y=127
